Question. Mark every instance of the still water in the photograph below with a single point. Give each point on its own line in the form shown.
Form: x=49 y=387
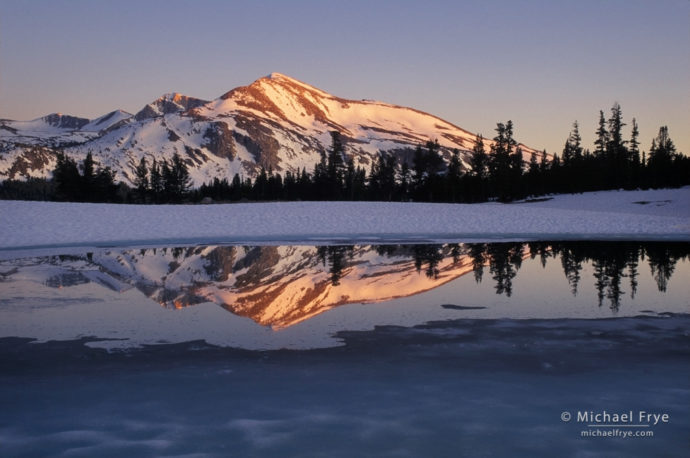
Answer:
x=263 y=297
x=501 y=349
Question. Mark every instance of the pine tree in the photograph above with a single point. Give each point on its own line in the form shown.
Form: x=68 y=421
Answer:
x=543 y=163
x=104 y=187
x=405 y=181
x=634 y=143
x=576 y=140
x=600 y=171
x=156 y=181
x=615 y=137
x=168 y=181
x=602 y=137
x=141 y=179
x=516 y=168
x=479 y=160
x=88 y=175
x=533 y=176
x=616 y=152
x=661 y=158
x=479 y=167
x=321 y=185
x=260 y=188
x=67 y=178
x=572 y=161
x=382 y=185
x=453 y=177
x=419 y=172
x=335 y=166
x=500 y=161
x=349 y=180
x=634 y=153
x=184 y=181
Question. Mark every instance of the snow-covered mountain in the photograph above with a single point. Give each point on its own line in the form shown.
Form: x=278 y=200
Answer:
x=276 y=122
x=167 y=104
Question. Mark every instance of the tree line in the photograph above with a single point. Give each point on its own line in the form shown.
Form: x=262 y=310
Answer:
x=500 y=172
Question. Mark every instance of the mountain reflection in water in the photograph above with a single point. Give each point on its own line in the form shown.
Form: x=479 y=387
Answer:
x=280 y=286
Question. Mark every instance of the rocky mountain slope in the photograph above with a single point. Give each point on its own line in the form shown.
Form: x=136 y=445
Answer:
x=276 y=122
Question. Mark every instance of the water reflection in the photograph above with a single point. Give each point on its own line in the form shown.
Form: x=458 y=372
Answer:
x=612 y=262
x=279 y=286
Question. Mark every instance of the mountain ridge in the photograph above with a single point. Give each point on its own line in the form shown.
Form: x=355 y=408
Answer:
x=277 y=122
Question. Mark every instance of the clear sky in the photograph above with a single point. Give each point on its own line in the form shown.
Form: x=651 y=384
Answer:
x=542 y=64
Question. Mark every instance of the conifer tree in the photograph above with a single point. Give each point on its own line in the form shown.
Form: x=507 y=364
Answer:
x=500 y=161
x=419 y=171
x=156 y=181
x=602 y=137
x=615 y=131
x=382 y=185
x=479 y=160
x=405 y=181
x=453 y=177
x=516 y=169
x=104 y=187
x=168 y=180
x=67 y=178
x=349 y=180
x=617 y=163
x=183 y=181
x=141 y=179
x=88 y=177
x=660 y=161
x=321 y=186
x=533 y=176
x=478 y=174
x=634 y=155
x=634 y=142
x=335 y=166
x=260 y=187
x=571 y=177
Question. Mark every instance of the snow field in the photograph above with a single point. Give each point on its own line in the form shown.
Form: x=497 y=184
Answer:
x=664 y=215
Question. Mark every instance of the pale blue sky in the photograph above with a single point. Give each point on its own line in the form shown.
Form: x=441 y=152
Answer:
x=542 y=64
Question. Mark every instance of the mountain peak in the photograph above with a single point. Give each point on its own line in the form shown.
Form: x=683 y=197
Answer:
x=62 y=121
x=276 y=122
x=277 y=76
x=107 y=120
x=279 y=79
x=172 y=97
x=171 y=102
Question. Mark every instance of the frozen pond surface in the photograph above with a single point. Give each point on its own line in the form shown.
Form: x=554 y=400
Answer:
x=370 y=350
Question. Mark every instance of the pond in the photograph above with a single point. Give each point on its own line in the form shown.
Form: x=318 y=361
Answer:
x=300 y=349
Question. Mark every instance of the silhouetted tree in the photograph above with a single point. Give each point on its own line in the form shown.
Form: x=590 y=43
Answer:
x=500 y=163
x=453 y=178
x=67 y=178
x=156 y=181
x=661 y=158
x=335 y=168
x=141 y=179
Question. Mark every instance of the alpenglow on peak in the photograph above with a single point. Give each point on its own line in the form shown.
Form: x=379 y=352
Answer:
x=275 y=123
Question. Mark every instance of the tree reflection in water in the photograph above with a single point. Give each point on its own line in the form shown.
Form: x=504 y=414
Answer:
x=250 y=279
x=611 y=262
x=335 y=255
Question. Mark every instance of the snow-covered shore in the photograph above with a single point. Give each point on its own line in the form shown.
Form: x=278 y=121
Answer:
x=637 y=215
